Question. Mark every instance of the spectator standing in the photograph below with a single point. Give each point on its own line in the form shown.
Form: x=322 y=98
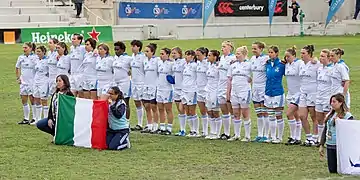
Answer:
x=295 y=8
x=78 y=6
x=357 y=9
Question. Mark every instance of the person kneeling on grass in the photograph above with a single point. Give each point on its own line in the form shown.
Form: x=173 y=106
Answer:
x=117 y=134
x=62 y=87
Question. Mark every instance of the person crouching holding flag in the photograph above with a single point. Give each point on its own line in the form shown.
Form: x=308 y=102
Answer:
x=117 y=134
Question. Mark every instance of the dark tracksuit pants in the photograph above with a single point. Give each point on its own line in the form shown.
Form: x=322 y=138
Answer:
x=118 y=139
x=331 y=158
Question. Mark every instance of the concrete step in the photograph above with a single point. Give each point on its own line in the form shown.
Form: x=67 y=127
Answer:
x=26 y=3
x=33 y=24
x=33 y=18
x=78 y=21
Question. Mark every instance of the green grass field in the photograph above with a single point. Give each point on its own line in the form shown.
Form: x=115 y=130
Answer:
x=26 y=153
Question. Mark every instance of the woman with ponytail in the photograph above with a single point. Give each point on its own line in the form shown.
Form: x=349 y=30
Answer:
x=63 y=64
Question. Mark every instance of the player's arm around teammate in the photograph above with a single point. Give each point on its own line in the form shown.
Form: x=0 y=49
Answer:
x=122 y=66
x=164 y=94
x=212 y=103
x=201 y=81
x=258 y=69
x=104 y=71
x=226 y=47
x=189 y=97
x=274 y=95
x=239 y=93
x=178 y=70
x=322 y=106
x=150 y=84
x=25 y=73
x=88 y=71
x=293 y=96
x=41 y=86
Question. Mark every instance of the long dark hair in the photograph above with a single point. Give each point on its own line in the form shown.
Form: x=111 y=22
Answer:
x=63 y=45
x=343 y=108
x=66 y=81
x=31 y=45
x=216 y=53
x=118 y=92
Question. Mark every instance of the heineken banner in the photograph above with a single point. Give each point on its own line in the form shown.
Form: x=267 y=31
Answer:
x=64 y=34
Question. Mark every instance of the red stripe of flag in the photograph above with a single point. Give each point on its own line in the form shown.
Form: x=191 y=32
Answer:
x=99 y=124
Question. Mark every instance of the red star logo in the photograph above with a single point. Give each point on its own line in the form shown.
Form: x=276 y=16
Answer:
x=94 y=34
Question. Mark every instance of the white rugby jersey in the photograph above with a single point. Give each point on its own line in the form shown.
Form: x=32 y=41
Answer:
x=151 y=71
x=76 y=58
x=189 y=77
x=292 y=76
x=339 y=74
x=308 y=77
x=26 y=64
x=178 y=70
x=41 y=71
x=224 y=65
x=52 y=62
x=240 y=72
x=104 y=68
x=137 y=69
x=212 y=75
x=88 y=66
x=258 y=70
x=121 y=68
x=164 y=69
x=63 y=65
x=324 y=84
x=201 y=79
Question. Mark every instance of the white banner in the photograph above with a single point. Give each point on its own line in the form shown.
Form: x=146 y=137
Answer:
x=348 y=146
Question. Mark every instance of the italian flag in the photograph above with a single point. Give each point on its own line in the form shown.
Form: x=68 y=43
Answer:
x=81 y=122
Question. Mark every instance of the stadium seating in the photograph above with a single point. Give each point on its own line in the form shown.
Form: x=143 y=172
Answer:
x=36 y=13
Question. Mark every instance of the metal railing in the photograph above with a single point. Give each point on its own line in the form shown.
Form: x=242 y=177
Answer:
x=96 y=16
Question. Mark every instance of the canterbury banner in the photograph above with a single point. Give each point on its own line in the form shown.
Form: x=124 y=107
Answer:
x=249 y=8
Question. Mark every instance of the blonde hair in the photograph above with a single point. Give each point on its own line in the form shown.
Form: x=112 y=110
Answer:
x=243 y=50
x=327 y=51
x=228 y=43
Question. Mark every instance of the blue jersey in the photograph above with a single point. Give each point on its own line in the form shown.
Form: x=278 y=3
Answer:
x=275 y=70
x=117 y=116
x=331 y=128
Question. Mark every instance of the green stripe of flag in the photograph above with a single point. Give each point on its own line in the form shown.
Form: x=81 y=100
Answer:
x=65 y=120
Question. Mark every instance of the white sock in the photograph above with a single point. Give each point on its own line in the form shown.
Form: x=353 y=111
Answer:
x=226 y=121
x=26 y=109
x=272 y=124
x=204 y=121
x=320 y=130
x=169 y=127
x=212 y=126
x=260 y=126
x=280 y=128
x=150 y=126
x=33 y=109
x=182 y=120
x=45 y=111
x=155 y=126
x=190 y=122
x=292 y=126
x=266 y=127
x=298 y=130
x=237 y=127
x=308 y=136
x=196 y=124
x=247 y=126
x=162 y=126
x=38 y=112
x=140 y=112
x=218 y=123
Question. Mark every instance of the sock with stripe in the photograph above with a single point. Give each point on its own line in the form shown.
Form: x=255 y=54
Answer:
x=280 y=128
x=272 y=124
x=139 y=113
x=162 y=126
x=33 y=109
x=292 y=127
x=237 y=127
x=298 y=130
x=26 y=109
x=204 y=121
x=169 y=127
x=226 y=121
x=182 y=121
x=247 y=126
x=46 y=111
x=315 y=137
x=308 y=137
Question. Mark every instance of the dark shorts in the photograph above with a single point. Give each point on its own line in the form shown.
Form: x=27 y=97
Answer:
x=118 y=139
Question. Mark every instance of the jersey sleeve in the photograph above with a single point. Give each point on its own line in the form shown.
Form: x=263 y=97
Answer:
x=344 y=73
x=18 y=63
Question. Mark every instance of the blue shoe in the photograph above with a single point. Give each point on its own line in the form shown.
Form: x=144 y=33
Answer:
x=181 y=133
x=263 y=140
x=257 y=139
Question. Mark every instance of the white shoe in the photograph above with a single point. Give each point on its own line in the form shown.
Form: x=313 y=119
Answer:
x=33 y=123
x=214 y=137
x=269 y=140
x=234 y=138
x=245 y=140
x=197 y=135
x=276 y=141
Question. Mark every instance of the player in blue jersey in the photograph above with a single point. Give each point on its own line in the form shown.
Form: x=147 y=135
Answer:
x=274 y=94
x=25 y=73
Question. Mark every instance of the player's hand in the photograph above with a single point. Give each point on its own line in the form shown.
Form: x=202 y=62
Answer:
x=322 y=153
x=314 y=60
x=50 y=123
x=18 y=80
